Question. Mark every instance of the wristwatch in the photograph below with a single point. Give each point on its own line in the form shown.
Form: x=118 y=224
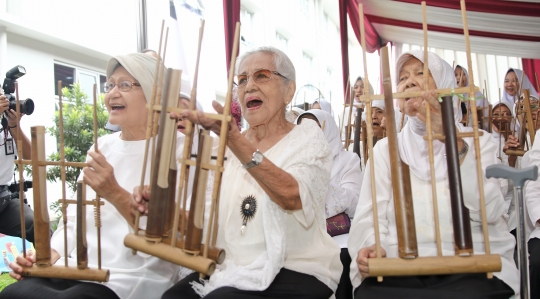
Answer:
x=256 y=160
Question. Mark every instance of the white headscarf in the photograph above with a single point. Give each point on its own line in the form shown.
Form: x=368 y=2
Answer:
x=141 y=66
x=413 y=148
x=526 y=84
x=325 y=106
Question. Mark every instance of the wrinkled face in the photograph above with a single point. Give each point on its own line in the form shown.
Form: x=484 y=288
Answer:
x=181 y=123
x=126 y=109
x=501 y=117
x=511 y=83
x=411 y=78
x=263 y=102
x=358 y=90
x=461 y=79
x=377 y=116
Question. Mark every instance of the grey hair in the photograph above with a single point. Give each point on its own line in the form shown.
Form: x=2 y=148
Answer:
x=282 y=63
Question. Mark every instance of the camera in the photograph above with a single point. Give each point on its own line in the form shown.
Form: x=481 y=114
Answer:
x=14 y=187
x=26 y=106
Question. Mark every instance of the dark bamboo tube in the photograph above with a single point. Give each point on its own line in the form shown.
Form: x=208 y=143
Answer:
x=490 y=119
x=194 y=231
x=356 y=145
x=157 y=206
x=401 y=180
x=164 y=170
x=364 y=141
x=461 y=220
x=42 y=234
x=82 y=247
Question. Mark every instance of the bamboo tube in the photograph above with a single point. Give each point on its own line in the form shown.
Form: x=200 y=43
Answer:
x=61 y=272
x=213 y=223
x=21 y=178
x=430 y=135
x=97 y=206
x=414 y=94
x=149 y=123
x=163 y=173
x=479 y=171
x=62 y=167
x=435 y=265
x=82 y=247
x=369 y=127
x=189 y=130
x=41 y=215
x=401 y=181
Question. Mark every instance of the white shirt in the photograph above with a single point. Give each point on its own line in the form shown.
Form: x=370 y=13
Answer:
x=274 y=238
x=6 y=161
x=131 y=276
x=362 y=231
x=532 y=189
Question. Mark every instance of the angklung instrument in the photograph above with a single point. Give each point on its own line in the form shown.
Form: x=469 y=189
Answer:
x=528 y=125
x=409 y=262
x=42 y=237
x=167 y=211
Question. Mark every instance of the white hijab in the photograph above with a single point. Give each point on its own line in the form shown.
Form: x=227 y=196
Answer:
x=526 y=84
x=325 y=106
x=413 y=148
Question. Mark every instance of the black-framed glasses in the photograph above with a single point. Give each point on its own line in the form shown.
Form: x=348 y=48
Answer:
x=122 y=86
x=259 y=76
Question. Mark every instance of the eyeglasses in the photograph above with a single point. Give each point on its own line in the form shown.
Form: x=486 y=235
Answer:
x=122 y=86
x=259 y=76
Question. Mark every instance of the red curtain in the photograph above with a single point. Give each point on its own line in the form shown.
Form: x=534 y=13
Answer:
x=231 y=15
x=531 y=67
x=517 y=8
x=344 y=47
x=373 y=40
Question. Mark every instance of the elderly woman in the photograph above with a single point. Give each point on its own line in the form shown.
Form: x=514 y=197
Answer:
x=342 y=194
x=462 y=80
x=413 y=151
x=271 y=222
x=323 y=105
x=112 y=171
x=515 y=82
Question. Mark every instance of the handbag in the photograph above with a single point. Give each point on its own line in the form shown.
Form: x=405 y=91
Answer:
x=338 y=225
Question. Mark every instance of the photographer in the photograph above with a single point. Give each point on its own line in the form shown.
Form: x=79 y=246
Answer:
x=10 y=223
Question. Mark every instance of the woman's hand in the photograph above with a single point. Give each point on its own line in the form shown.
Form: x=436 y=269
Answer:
x=430 y=98
x=100 y=176
x=200 y=118
x=140 y=200
x=511 y=143
x=364 y=255
x=16 y=266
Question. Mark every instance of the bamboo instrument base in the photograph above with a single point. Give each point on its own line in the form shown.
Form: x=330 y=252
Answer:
x=515 y=152
x=171 y=254
x=435 y=265
x=63 y=272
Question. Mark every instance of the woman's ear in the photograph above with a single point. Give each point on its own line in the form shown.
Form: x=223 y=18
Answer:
x=289 y=93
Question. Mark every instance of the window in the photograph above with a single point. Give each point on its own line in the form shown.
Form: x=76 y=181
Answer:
x=247 y=29
x=281 y=42
x=86 y=78
x=307 y=66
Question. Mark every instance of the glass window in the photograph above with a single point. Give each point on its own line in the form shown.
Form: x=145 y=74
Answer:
x=246 y=31
x=281 y=42
x=65 y=74
x=102 y=81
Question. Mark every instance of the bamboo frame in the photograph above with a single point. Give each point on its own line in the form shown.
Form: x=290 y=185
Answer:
x=170 y=246
x=435 y=265
x=43 y=266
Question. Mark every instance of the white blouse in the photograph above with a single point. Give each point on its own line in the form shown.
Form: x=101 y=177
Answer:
x=362 y=231
x=275 y=238
x=131 y=276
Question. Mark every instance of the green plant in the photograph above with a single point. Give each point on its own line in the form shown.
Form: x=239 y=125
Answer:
x=78 y=122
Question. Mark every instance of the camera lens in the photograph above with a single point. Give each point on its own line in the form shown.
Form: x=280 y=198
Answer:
x=26 y=106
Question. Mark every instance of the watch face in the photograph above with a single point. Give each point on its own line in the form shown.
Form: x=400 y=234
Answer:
x=258 y=157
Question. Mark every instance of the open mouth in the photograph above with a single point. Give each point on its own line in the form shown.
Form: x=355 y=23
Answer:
x=117 y=107
x=180 y=128
x=376 y=124
x=253 y=103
